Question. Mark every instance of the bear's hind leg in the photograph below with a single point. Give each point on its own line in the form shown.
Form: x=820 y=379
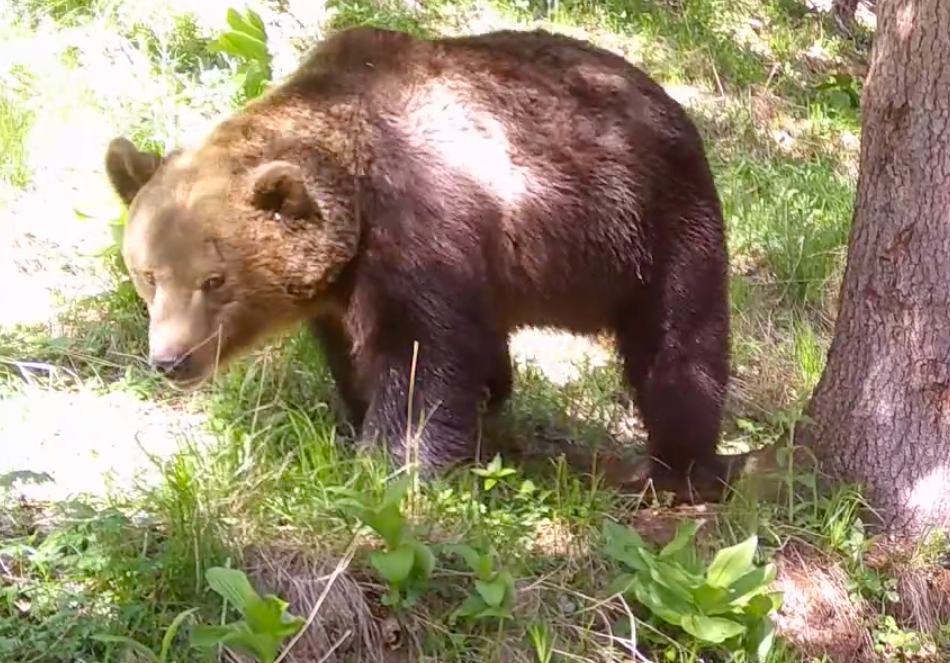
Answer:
x=675 y=347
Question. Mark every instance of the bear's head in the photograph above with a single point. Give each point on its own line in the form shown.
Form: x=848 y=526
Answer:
x=225 y=250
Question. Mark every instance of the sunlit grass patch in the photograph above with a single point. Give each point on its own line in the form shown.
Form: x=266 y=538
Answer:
x=16 y=120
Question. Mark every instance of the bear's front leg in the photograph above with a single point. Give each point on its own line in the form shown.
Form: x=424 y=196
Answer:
x=459 y=355
x=337 y=349
x=445 y=389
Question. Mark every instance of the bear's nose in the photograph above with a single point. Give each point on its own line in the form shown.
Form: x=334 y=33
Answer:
x=171 y=365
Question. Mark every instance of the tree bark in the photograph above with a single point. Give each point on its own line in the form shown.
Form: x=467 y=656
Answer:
x=881 y=411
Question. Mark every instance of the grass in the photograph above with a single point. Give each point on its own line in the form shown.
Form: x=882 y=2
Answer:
x=772 y=88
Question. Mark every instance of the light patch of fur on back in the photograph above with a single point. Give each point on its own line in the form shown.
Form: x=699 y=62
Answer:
x=471 y=141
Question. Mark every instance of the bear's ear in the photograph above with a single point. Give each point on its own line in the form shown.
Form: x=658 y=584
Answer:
x=279 y=187
x=129 y=169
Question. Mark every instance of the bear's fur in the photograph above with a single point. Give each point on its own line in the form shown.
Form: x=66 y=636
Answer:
x=446 y=191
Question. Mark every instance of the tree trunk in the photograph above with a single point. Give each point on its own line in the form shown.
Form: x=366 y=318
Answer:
x=881 y=411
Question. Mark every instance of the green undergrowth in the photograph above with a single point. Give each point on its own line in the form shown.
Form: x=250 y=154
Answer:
x=506 y=560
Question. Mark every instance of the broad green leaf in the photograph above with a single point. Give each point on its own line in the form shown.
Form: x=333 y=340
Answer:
x=711 y=629
x=673 y=578
x=712 y=600
x=752 y=583
x=508 y=580
x=485 y=567
x=268 y=616
x=466 y=552
x=238 y=636
x=254 y=19
x=388 y=522
x=623 y=535
x=205 y=635
x=732 y=563
x=424 y=560
x=394 y=565
x=125 y=640
x=763 y=604
x=492 y=611
x=625 y=545
x=662 y=602
x=397 y=491
x=472 y=605
x=256 y=77
x=233 y=585
x=621 y=584
x=762 y=638
x=243 y=45
x=492 y=592
x=685 y=531
x=495 y=463
x=172 y=630
x=241 y=24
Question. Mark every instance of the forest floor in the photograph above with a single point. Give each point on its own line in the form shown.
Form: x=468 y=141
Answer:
x=118 y=493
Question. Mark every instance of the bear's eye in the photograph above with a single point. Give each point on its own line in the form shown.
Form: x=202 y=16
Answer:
x=149 y=278
x=212 y=283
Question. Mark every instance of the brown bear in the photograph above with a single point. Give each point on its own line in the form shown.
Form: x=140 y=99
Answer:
x=395 y=190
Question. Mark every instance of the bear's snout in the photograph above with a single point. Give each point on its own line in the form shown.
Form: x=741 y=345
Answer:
x=174 y=366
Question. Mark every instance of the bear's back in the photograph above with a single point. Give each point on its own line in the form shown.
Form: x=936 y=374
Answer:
x=553 y=152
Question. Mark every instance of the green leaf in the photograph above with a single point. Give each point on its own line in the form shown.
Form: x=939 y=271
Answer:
x=466 y=552
x=172 y=630
x=394 y=565
x=621 y=584
x=245 y=46
x=661 y=602
x=492 y=611
x=732 y=563
x=763 y=604
x=486 y=567
x=237 y=635
x=685 y=530
x=241 y=24
x=472 y=605
x=388 y=522
x=495 y=463
x=674 y=578
x=233 y=585
x=397 y=491
x=256 y=77
x=762 y=638
x=492 y=592
x=752 y=583
x=712 y=600
x=125 y=640
x=711 y=629
x=424 y=560
x=204 y=635
x=625 y=545
x=255 y=20
x=268 y=616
